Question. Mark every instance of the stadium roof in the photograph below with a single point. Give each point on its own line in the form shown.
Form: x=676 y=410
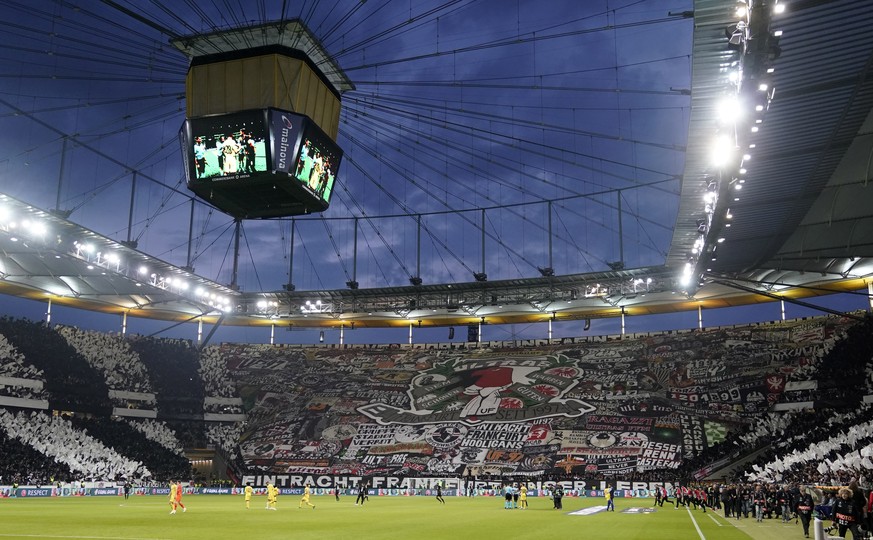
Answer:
x=801 y=226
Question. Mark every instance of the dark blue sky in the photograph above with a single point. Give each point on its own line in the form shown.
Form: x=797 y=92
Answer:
x=528 y=110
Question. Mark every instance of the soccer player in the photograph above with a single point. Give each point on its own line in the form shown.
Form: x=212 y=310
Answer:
x=179 y=497
x=305 y=498
x=272 y=495
x=522 y=496
x=172 y=497
x=610 y=504
x=558 y=497
x=362 y=494
x=439 y=495
x=248 y=493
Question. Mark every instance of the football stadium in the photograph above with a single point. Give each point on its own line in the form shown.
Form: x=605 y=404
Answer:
x=436 y=269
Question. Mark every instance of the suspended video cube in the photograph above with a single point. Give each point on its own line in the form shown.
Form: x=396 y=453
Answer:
x=260 y=163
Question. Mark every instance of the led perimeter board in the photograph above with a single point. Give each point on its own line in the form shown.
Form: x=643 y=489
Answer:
x=260 y=163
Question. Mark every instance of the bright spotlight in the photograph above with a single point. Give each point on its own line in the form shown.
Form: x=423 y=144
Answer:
x=779 y=8
x=729 y=110
x=722 y=151
x=35 y=228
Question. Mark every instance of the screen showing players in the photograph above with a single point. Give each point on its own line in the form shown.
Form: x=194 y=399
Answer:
x=228 y=146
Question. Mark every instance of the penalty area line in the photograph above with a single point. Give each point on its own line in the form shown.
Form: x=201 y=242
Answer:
x=696 y=526
x=713 y=519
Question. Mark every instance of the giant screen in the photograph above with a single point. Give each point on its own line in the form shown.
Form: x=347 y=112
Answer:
x=260 y=163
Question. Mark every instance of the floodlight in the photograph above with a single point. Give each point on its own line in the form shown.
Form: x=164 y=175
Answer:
x=722 y=150
x=35 y=228
x=729 y=110
x=779 y=8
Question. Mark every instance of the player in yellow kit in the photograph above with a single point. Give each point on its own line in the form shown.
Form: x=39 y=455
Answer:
x=248 y=493
x=305 y=498
x=172 y=497
x=272 y=495
x=522 y=496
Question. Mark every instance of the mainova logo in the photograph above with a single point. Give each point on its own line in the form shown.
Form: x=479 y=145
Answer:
x=284 y=142
x=473 y=391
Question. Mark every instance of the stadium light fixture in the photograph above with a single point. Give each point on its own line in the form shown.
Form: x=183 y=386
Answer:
x=722 y=151
x=729 y=110
x=779 y=9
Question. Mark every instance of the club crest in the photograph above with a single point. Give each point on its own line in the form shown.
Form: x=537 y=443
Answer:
x=476 y=391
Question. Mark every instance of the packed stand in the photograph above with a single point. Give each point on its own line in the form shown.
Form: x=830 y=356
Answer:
x=13 y=365
x=813 y=444
x=162 y=462
x=110 y=355
x=21 y=464
x=56 y=438
x=158 y=432
x=72 y=384
x=213 y=372
x=172 y=367
x=840 y=443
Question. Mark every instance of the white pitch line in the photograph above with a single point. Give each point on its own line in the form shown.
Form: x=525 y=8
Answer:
x=713 y=519
x=695 y=524
x=85 y=537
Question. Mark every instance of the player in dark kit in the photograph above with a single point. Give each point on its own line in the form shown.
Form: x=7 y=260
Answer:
x=557 y=497
x=439 y=495
x=362 y=494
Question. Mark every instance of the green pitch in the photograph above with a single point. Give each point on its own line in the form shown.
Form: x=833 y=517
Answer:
x=225 y=517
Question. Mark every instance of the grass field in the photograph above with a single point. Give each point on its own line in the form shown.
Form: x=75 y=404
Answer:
x=225 y=517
